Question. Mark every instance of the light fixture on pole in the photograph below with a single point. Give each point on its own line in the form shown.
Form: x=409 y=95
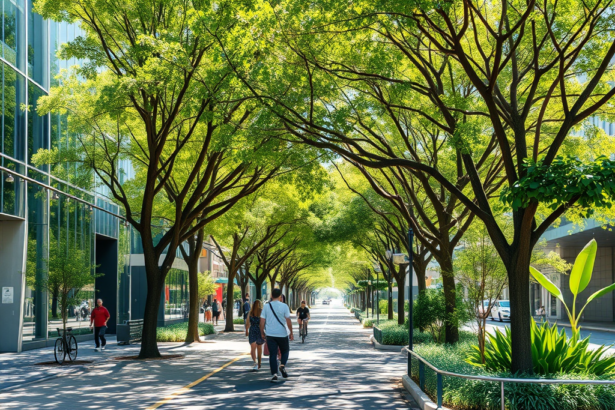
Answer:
x=377 y=270
x=10 y=178
x=403 y=259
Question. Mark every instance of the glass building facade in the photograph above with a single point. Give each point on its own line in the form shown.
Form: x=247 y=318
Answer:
x=53 y=225
x=46 y=217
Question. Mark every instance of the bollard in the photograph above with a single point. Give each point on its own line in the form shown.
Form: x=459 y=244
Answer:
x=502 y=401
x=422 y=375
x=439 y=390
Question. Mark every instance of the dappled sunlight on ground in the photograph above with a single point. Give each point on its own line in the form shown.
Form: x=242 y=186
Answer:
x=336 y=368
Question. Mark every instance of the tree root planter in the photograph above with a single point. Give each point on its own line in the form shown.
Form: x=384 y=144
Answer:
x=163 y=357
x=390 y=348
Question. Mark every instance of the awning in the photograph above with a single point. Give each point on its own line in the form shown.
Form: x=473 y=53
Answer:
x=221 y=280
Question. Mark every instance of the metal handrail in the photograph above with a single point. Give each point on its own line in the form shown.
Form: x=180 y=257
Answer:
x=439 y=373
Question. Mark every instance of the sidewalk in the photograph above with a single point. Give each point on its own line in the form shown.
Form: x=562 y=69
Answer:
x=21 y=369
x=18 y=369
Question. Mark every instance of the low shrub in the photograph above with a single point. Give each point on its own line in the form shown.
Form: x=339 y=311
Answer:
x=552 y=352
x=177 y=332
x=239 y=321
x=476 y=394
x=368 y=322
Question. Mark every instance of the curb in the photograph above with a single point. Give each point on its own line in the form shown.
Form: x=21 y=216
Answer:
x=421 y=398
x=390 y=348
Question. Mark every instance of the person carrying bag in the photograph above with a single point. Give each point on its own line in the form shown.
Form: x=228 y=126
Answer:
x=278 y=334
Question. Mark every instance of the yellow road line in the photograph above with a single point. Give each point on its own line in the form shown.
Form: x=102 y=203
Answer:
x=194 y=383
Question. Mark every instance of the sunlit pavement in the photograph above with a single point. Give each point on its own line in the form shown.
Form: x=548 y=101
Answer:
x=336 y=368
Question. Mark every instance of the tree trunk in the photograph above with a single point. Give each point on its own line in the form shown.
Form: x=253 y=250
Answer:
x=259 y=290
x=244 y=289
x=451 y=330
x=193 y=316
x=419 y=270
x=54 y=303
x=149 y=345
x=519 y=286
x=192 y=259
x=230 y=303
x=287 y=294
x=401 y=290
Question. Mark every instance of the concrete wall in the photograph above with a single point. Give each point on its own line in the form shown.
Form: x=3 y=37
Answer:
x=12 y=274
x=600 y=310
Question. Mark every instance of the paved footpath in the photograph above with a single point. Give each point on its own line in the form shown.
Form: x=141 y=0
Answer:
x=336 y=368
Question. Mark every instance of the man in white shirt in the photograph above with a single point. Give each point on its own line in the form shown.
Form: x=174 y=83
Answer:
x=276 y=324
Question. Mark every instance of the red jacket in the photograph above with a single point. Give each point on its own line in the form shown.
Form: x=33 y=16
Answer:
x=99 y=316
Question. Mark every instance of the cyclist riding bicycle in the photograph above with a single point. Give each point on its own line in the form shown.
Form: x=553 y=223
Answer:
x=303 y=315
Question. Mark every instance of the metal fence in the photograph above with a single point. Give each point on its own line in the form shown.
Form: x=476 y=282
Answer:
x=501 y=380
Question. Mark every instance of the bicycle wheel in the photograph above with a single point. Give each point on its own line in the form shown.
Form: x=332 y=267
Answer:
x=59 y=352
x=72 y=348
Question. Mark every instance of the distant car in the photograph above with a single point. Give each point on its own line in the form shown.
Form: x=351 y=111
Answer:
x=325 y=302
x=483 y=309
x=501 y=310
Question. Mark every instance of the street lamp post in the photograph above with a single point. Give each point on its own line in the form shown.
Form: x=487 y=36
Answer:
x=369 y=282
x=372 y=295
x=410 y=301
x=390 y=296
x=377 y=269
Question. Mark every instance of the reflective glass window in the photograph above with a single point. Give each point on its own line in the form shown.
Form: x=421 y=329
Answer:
x=38 y=126
x=35 y=301
x=13 y=116
x=70 y=236
x=14 y=33
x=38 y=49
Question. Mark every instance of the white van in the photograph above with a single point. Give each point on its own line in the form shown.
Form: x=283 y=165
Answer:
x=501 y=310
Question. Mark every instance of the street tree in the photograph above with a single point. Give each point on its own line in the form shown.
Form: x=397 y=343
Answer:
x=155 y=91
x=512 y=81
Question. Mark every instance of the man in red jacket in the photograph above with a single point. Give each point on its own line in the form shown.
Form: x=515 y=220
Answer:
x=100 y=315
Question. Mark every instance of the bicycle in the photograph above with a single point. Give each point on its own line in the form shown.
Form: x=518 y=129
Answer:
x=66 y=345
x=303 y=330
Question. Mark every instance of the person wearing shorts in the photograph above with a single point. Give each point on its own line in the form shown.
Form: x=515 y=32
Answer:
x=216 y=309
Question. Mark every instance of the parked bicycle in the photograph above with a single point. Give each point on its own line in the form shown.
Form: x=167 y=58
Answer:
x=66 y=345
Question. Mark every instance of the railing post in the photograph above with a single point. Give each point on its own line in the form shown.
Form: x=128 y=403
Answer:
x=439 y=378
x=422 y=375
x=503 y=402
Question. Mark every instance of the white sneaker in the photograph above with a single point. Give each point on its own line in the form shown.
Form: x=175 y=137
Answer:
x=275 y=379
x=97 y=349
x=255 y=368
x=103 y=348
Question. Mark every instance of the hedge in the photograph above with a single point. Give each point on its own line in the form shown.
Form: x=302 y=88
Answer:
x=466 y=394
x=177 y=332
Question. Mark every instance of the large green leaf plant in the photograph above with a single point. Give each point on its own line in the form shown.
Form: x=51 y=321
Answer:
x=580 y=277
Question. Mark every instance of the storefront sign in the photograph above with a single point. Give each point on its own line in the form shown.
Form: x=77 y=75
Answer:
x=7 y=295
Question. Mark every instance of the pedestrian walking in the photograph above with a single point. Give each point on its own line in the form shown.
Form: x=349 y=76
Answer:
x=246 y=307
x=276 y=325
x=253 y=331
x=99 y=318
x=543 y=315
x=216 y=309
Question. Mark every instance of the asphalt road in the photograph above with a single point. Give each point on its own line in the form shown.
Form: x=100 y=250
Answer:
x=337 y=368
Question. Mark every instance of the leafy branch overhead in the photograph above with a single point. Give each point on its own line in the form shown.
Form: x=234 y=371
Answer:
x=567 y=182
